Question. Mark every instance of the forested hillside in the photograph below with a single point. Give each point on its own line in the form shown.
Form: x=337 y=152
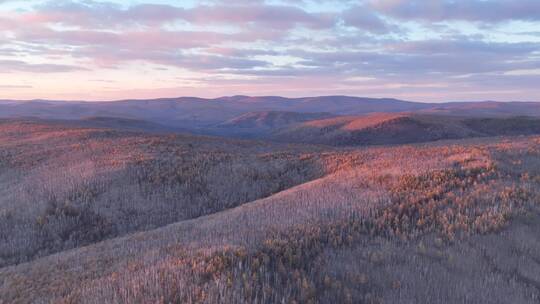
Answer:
x=138 y=218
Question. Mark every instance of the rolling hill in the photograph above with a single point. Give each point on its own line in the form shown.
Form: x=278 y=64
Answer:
x=64 y=186
x=271 y=119
x=431 y=223
x=380 y=129
x=198 y=114
x=259 y=124
x=188 y=112
x=335 y=200
x=486 y=108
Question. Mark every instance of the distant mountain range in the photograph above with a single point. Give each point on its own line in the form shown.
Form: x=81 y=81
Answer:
x=197 y=112
x=324 y=119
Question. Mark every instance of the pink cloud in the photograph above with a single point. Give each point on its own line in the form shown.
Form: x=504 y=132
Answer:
x=275 y=46
x=109 y=15
x=282 y=17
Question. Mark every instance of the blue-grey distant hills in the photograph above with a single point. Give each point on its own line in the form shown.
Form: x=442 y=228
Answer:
x=278 y=118
x=196 y=112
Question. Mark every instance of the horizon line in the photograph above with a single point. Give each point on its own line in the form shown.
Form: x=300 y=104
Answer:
x=259 y=96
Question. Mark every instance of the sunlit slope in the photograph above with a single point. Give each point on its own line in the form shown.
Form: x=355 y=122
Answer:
x=385 y=217
x=385 y=128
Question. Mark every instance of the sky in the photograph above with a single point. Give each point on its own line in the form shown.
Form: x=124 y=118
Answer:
x=437 y=50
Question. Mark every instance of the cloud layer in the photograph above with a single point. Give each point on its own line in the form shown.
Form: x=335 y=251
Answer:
x=436 y=50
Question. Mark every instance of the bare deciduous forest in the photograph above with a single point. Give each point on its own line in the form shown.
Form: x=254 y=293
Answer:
x=98 y=215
